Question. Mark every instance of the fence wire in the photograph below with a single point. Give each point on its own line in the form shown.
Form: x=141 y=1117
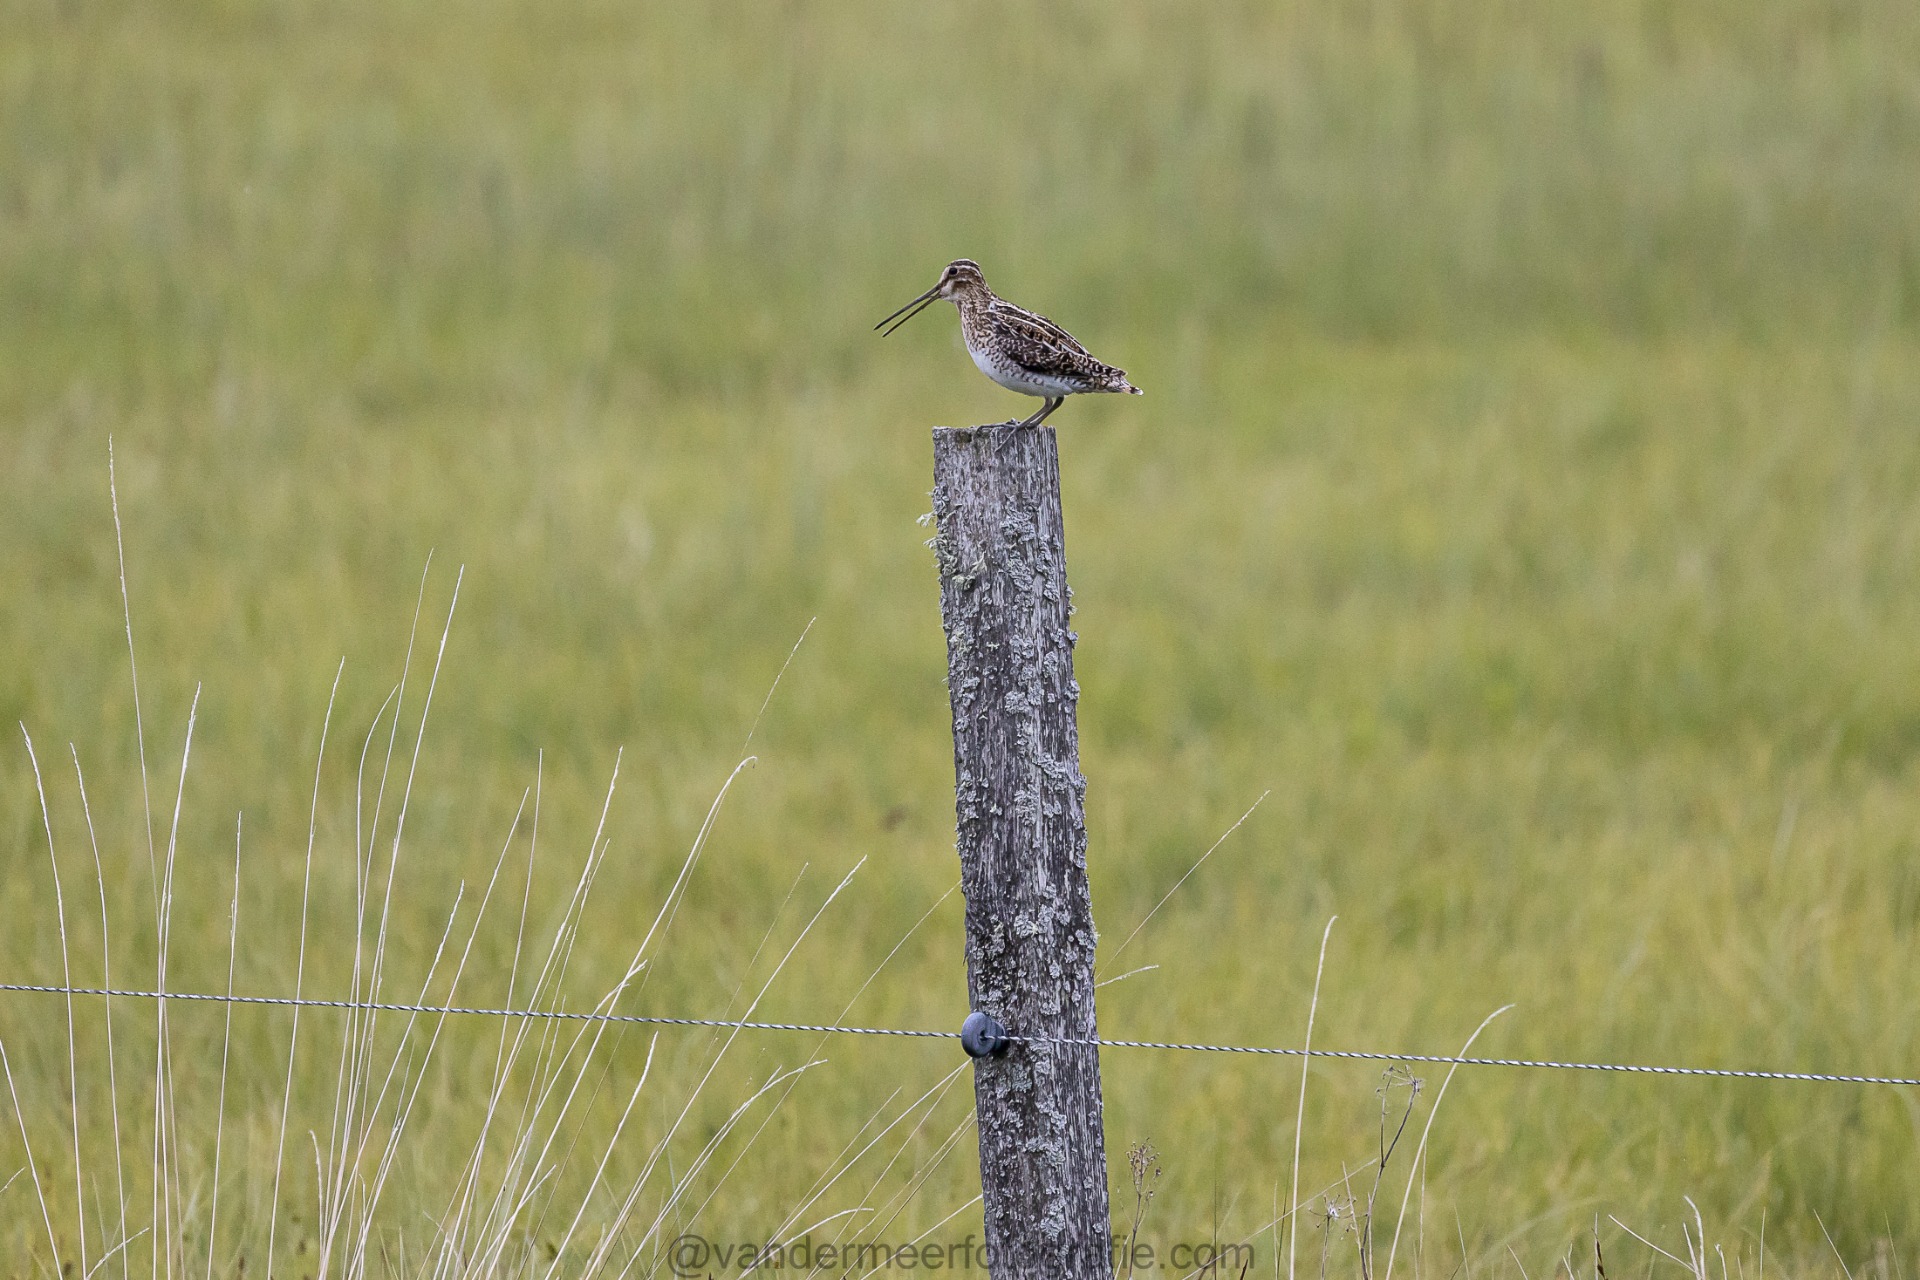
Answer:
x=1361 y=1055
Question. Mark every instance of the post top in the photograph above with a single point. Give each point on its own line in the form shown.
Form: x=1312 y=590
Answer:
x=1009 y=429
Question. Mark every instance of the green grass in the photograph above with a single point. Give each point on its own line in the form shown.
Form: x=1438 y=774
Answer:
x=1523 y=495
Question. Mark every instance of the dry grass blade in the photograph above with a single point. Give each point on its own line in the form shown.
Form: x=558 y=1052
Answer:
x=775 y=686
x=1650 y=1244
x=1165 y=898
x=106 y=969
x=1848 y=1271
x=167 y=1184
x=32 y=1169
x=133 y=665
x=226 y=1046
x=1300 y=1115
x=1419 y=1153
x=300 y=961
x=66 y=977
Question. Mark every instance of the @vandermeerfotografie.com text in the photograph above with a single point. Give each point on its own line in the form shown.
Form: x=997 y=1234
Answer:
x=698 y=1255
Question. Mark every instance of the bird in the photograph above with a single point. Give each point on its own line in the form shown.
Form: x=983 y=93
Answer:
x=1021 y=351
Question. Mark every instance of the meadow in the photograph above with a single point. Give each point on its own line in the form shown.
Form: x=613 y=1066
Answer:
x=1523 y=502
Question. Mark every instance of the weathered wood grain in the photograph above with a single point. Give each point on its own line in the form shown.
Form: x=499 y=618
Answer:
x=1022 y=841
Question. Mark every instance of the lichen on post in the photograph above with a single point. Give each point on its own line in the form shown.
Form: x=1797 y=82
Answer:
x=1019 y=797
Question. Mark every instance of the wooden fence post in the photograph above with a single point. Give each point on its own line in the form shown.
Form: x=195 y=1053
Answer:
x=1022 y=843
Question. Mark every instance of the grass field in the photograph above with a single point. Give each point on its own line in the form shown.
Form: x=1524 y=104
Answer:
x=1523 y=500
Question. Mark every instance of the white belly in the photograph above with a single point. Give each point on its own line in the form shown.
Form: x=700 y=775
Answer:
x=1014 y=378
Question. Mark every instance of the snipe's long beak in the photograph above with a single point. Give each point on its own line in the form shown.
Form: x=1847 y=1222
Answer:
x=911 y=310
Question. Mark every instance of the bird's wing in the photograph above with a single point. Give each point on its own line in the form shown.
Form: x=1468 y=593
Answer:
x=1032 y=340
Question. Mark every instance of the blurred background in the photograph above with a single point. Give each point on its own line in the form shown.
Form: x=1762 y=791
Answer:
x=1523 y=502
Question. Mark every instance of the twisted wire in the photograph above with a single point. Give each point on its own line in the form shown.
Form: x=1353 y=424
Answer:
x=1361 y=1055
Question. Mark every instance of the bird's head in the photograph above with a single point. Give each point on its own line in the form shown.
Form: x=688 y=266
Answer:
x=961 y=280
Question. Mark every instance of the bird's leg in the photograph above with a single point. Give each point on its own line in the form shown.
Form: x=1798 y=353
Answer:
x=1053 y=402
